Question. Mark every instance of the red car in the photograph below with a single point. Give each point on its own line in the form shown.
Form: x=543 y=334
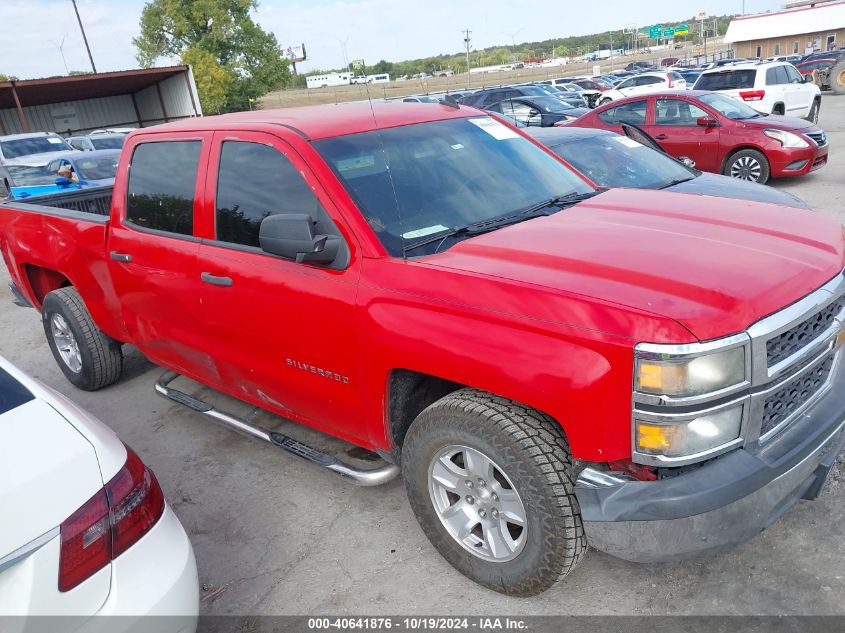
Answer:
x=431 y=284
x=720 y=134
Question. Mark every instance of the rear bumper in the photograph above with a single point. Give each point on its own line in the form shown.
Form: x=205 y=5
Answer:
x=720 y=504
x=155 y=577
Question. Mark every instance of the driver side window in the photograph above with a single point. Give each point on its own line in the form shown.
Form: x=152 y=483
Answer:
x=677 y=112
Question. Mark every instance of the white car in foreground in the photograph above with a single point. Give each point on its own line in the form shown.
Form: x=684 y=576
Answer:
x=642 y=84
x=84 y=527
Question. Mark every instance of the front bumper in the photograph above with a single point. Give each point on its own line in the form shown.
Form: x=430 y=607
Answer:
x=796 y=162
x=720 y=504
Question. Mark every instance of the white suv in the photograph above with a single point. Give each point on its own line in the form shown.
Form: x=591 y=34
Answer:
x=768 y=87
x=644 y=83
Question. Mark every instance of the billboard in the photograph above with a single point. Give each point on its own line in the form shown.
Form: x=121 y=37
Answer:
x=294 y=53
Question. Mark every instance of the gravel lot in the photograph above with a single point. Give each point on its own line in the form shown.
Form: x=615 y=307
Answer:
x=273 y=535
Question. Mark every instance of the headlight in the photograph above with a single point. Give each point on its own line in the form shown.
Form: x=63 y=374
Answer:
x=682 y=377
x=688 y=437
x=787 y=139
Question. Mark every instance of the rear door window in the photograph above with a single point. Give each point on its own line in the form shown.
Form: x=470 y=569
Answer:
x=162 y=182
x=677 y=112
x=727 y=80
x=633 y=112
x=12 y=393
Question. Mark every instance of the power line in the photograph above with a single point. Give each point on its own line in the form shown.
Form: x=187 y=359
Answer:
x=84 y=38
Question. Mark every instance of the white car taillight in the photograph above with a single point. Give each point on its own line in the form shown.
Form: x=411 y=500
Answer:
x=110 y=522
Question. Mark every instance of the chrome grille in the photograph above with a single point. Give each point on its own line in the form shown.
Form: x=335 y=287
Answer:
x=783 y=403
x=820 y=138
x=792 y=341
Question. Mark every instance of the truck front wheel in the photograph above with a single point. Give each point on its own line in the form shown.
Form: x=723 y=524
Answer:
x=87 y=357
x=490 y=482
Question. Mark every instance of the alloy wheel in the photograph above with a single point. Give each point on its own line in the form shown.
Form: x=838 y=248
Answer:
x=66 y=343
x=477 y=503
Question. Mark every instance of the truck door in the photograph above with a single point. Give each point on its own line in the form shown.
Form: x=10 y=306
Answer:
x=284 y=334
x=152 y=251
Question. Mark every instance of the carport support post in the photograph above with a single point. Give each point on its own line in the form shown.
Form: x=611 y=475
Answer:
x=161 y=103
x=137 y=111
x=21 y=114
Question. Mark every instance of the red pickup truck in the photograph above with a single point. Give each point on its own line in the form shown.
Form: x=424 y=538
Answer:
x=549 y=364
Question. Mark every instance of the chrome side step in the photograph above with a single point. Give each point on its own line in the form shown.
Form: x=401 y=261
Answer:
x=361 y=477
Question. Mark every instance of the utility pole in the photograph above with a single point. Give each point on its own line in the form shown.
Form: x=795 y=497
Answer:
x=467 y=40
x=84 y=38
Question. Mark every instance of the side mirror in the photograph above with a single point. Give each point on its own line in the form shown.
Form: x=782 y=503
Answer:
x=291 y=235
x=61 y=181
x=686 y=160
x=706 y=121
x=533 y=112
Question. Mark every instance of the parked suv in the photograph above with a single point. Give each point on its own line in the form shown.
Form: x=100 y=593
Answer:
x=644 y=84
x=485 y=98
x=768 y=87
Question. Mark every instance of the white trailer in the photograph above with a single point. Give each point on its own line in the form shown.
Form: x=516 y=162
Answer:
x=382 y=78
x=331 y=79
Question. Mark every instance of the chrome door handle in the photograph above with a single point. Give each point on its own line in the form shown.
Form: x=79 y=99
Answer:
x=120 y=257
x=214 y=280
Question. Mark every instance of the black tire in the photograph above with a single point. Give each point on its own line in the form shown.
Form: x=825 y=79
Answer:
x=539 y=465
x=837 y=77
x=813 y=116
x=742 y=165
x=100 y=357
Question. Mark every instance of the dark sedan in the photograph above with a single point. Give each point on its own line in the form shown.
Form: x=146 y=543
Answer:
x=612 y=160
x=537 y=111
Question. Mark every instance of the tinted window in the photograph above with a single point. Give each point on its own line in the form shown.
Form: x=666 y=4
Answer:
x=633 y=112
x=108 y=142
x=99 y=168
x=162 y=179
x=255 y=181
x=628 y=83
x=676 y=112
x=12 y=393
x=793 y=75
x=727 y=80
x=647 y=81
x=415 y=181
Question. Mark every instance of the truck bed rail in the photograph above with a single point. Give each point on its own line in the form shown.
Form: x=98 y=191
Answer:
x=96 y=200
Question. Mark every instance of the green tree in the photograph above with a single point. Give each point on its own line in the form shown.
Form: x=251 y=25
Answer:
x=382 y=66
x=235 y=59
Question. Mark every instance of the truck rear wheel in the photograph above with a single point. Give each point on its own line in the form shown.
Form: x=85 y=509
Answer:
x=837 y=77
x=87 y=357
x=490 y=482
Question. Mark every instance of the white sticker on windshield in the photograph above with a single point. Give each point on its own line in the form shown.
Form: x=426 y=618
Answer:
x=428 y=230
x=54 y=140
x=494 y=128
x=627 y=142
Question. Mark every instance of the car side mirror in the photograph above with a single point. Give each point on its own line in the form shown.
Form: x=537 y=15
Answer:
x=686 y=160
x=291 y=235
x=61 y=181
x=706 y=121
x=533 y=112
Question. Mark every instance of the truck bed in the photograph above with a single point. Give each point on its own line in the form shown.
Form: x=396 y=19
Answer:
x=92 y=200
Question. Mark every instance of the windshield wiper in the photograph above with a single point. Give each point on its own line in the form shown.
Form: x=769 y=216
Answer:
x=675 y=181
x=486 y=226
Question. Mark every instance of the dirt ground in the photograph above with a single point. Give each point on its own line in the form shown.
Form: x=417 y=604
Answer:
x=274 y=535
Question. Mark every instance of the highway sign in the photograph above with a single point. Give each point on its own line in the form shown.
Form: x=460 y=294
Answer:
x=655 y=31
x=683 y=29
x=669 y=32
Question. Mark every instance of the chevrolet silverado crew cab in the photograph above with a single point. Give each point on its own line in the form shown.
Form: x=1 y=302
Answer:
x=548 y=364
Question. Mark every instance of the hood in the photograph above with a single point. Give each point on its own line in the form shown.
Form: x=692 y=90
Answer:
x=779 y=122
x=714 y=265
x=722 y=186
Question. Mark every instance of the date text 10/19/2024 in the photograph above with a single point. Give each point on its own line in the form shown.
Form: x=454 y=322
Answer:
x=418 y=624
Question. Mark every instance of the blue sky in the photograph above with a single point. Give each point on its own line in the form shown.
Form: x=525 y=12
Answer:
x=33 y=30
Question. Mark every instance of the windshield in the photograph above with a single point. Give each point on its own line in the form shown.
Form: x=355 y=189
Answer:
x=108 y=142
x=30 y=176
x=99 y=168
x=551 y=104
x=727 y=80
x=730 y=108
x=414 y=181
x=610 y=160
x=18 y=147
